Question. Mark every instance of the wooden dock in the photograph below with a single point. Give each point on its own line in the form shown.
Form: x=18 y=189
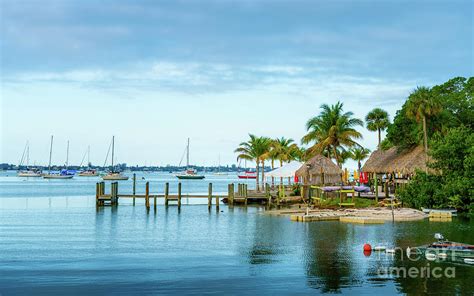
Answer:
x=235 y=195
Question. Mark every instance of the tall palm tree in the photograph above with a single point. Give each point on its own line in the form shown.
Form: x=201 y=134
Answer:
x=377 y=120
x=359 y=154
x=422 y=105
x=254 y=150
x=332 y=129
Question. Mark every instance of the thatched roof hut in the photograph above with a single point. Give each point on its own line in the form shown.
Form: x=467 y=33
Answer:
x=312 y=171
x=388 y=161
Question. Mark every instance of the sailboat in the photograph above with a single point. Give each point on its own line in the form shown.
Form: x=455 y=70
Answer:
x=63 y=174
x=114 y=175
x=88 y=172
x=29 y=172
x=190 y=173
x=219 y=173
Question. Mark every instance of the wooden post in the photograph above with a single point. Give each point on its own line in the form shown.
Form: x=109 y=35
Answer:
x=134 y=186
x=386 y=188
x=147 y=195
x=209 y=196
x=97 y=193
x=154 y=202
x=245 y=193
x=179 y=195
x=230 y=198
x=376 y=189
x=167 y=191
x=322 y=176
x=102 y=188
x=112 y=193
x=217 y=202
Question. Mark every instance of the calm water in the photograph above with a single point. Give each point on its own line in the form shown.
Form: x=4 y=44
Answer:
x=52 y=240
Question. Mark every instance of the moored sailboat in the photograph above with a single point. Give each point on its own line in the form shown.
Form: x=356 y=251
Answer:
x=29 y=172
x=88 y=172
x=114 y=175
x=63 y=174
x=189 y=173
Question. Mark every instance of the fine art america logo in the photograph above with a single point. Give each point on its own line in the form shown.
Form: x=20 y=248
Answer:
x=426 y=271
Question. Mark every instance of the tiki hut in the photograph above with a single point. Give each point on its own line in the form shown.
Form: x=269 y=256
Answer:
x=320 y=170
x=392 y=161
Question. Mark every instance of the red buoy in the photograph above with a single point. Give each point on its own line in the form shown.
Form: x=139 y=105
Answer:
x=367 y=248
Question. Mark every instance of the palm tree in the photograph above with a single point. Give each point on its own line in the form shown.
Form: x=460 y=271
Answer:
x=422 y=105
x=332 y=129
x=359 y=154
x=283 y=149
x=254 y=150
x=377 y=120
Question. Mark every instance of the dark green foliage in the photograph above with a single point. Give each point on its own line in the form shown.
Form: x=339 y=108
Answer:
x=404 y=132
x=452 y=156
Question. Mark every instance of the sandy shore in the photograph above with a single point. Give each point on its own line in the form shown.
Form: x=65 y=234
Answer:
x=400 y=214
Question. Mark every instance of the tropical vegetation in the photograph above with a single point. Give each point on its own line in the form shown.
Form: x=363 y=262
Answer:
x=377 y=120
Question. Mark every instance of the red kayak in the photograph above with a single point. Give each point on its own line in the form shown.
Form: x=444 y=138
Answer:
x=247 y=175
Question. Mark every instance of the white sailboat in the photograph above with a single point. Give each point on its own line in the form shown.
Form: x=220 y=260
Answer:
x=29 y=172
x=219 y=173
x=63 y=174
x=114 y=175
x=88 y=172
x=190 y=173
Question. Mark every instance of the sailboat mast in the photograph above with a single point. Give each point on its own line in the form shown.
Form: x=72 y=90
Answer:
x=27 y=155
x=67 y=154
x=187 y=155
x=88 y=156
x=50 y=155
x=113 y=148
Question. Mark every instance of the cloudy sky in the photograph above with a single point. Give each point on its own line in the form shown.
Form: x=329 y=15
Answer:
x=153 y=73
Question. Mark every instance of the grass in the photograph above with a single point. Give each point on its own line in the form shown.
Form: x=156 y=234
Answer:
x=334 y=202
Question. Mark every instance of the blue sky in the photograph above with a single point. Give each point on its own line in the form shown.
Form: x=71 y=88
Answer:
x=153 y=73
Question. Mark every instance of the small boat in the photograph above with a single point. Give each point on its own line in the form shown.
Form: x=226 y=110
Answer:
x=428 y=211
x=88 y=173
x=247 y=175
x=444 y=249
x=189 y=173
x=29 y=172
x=63 y=174
x=469 y=260
x=113 y=175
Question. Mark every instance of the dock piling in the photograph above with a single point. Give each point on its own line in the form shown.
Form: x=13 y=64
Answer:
x=167 y=191
x=147 y=195
x=209 y=196
x=134 y=186
x=179 y=195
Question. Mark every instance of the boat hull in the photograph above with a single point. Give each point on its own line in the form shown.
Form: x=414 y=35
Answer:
x=87 y=175
x=115 y=178
x=28 y=175
x=47 y=176
x=247 y=177
x=188 y=177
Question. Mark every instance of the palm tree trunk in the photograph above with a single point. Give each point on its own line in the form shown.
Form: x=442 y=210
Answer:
x=334 y=150
x=379 y=138
x=281 y=178
x=273 y=178
x=257 y=188
x=263 y=174
x=425 y=141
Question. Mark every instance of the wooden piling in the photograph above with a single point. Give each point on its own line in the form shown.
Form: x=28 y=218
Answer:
x=167 y=191
x=97 y=193
x=134 y=186
x=154 y=202
x=209 y=196
x=147 y=195
x=179 y=195
x=217 y=202
x=230 y=195
x=376 y=189
x=245 y=193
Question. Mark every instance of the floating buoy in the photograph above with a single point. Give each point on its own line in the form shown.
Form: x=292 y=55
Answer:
x=430 y=256
x=442 y=255
x=469 y=260
x=367 y=248
x=379 y=248
x=367 y=253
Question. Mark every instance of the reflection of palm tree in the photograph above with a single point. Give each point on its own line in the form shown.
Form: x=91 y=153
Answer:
x=327 y=265
x=332 y=129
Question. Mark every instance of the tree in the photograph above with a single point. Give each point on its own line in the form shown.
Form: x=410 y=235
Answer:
x=359 y=154
x=254 y=150
x=284 y=150
x=422 y=105
x=332 y=129
x=377 y=120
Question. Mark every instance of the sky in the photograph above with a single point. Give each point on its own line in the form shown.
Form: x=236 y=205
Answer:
x=154 y=73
